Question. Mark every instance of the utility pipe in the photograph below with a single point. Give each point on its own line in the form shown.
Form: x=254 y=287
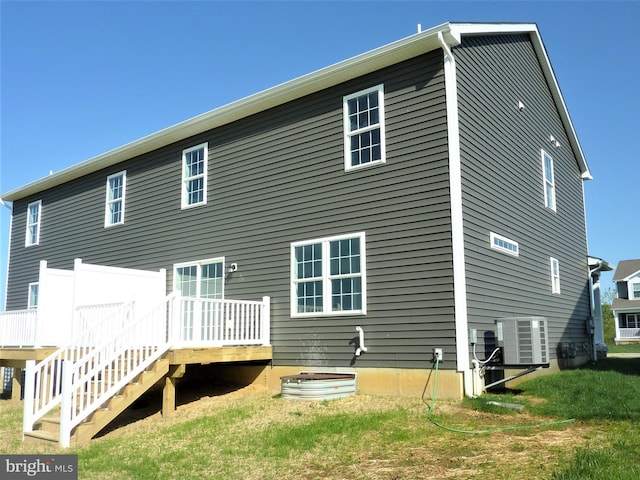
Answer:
x=361 y=348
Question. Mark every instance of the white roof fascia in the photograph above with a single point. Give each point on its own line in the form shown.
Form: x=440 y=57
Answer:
x=532 y=29
x=362 y=64
x=629 y=277
x=628 y=309
x=599 y=265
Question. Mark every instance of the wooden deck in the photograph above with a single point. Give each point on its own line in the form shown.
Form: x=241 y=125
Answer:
x=16 y=357
x=178 y=359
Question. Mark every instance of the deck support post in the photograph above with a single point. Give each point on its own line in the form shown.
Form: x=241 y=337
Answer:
x=16 y=384
x=169 y=390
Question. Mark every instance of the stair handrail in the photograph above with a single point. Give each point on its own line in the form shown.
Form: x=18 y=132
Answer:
x=91 y=381
x=43 y=380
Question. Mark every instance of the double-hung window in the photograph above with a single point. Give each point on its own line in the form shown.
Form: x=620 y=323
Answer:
x=631 y=320
x=34 y=214
x=34 y=290
x=114 y=205
x=635 y=291
x=194 y=176
x=364 y=135
x=555 y=275
x=328 y=276
x=549 y=181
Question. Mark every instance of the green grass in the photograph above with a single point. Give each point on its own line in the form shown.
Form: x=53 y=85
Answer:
x=620 y=461
x=635 y=348
x=607 y=391
x=256 y=436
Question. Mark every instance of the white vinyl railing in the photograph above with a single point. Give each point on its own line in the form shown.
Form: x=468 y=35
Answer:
x=90 y=319
x=43 y=381
x=92 y=380
x=219 y=322
x=115 y=347
x=629 y=332
x=18 y=328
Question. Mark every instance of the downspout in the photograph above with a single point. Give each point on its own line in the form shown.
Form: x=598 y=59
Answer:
x=591 y=322
x=591 y=328
x=597 y=329
x=457 y=239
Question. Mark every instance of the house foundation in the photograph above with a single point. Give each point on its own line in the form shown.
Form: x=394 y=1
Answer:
x=370 y=381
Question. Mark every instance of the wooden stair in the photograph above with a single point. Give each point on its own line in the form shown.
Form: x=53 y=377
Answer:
x=49 y=431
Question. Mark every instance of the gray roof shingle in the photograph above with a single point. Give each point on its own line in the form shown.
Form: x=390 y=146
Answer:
x=626 y=268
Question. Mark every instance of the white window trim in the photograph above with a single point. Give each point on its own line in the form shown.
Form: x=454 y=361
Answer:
x=198 y=264
x=631 y=291
x=37 y=224
x=30 y=296
x=107 y=212
x=549 y=203
x=348 y=133
x=185 y=180
x=555 y=278
x=326 y=277
x=494 y=236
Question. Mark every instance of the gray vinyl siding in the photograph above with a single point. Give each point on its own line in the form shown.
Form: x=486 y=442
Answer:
x=503 y=193
x=278 y=177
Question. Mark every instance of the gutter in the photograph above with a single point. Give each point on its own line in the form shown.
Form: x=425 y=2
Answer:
x=381 y=57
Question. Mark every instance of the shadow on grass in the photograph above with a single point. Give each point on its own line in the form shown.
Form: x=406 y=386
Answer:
x=188 y=391
x=626 y=366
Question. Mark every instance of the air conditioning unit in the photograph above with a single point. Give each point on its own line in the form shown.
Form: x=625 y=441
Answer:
x=524 y=340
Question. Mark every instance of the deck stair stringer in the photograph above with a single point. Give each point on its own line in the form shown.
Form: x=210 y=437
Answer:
x=93 y=388
x=49 y=431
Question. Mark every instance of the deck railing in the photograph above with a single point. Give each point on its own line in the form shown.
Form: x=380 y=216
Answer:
x=18 y=328
x=89 y=321
x=93 y=379
x=115 y=346
x=629 y=332
x=220 y=322
x=43 y=381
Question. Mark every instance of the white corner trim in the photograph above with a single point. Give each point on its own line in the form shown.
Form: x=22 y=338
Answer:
x=457 y=240
x=6 y=278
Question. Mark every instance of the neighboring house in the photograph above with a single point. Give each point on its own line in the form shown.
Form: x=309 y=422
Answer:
x=420 y=191
x=626 y=305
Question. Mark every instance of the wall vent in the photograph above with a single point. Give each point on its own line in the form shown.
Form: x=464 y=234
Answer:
x=524 y=340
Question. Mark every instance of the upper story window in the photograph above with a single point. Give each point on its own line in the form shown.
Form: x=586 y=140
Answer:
x=328 y=276
x=503 y=244
x=34 y=214
x=555 y=275
x=114 y=207
x=634 y=291
x=34 y=291
x=194 y=176
x=549 y=181
x=364 y=135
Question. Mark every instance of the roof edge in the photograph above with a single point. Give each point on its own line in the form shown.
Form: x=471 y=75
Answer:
x=381 y=57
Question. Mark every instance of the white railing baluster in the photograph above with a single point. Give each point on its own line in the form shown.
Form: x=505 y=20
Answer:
x=228 y=322
x=18 y=328
x=99 y=362
x=629 y=332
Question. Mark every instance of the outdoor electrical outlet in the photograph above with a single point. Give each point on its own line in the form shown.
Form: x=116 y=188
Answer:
x=437 y=354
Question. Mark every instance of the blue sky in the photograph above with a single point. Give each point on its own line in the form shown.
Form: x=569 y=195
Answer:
x=81 y=78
